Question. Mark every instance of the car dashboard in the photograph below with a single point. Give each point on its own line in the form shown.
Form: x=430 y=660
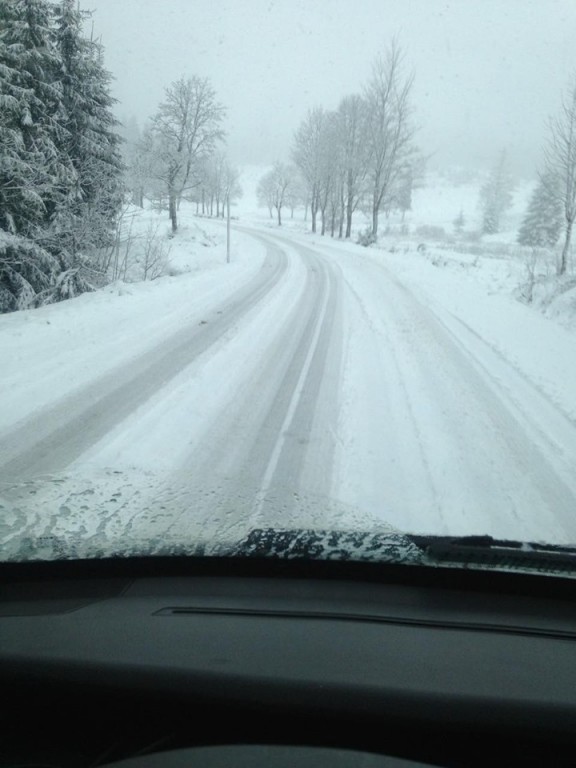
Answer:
x=214 y=662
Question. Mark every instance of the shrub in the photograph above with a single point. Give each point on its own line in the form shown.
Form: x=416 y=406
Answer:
x=366 y=237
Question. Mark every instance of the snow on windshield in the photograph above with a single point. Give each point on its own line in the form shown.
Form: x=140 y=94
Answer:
x=243 y=290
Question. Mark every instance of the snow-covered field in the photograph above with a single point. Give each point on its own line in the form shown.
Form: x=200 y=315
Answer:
x=308 y=382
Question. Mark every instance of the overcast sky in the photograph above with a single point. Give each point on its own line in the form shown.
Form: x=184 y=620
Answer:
x=487 y=72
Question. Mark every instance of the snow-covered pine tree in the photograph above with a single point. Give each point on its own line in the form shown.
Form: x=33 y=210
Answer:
x=496 y=196
x=459 y=222
x=543 y=219
x=60 y=167
x=27 y=271
x=35 y=176
x=86 y=226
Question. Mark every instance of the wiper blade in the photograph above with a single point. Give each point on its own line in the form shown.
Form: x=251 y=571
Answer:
x=313 y=544
x=498 y=553
x=407 y=549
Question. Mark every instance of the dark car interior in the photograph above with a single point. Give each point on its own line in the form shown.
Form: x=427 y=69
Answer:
x=251 y=662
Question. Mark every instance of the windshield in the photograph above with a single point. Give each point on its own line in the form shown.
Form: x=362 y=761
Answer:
x=287 y=278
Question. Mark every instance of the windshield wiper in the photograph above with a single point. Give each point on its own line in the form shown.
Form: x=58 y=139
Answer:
x=498 y=553
x=313 y=544
x=408 y=549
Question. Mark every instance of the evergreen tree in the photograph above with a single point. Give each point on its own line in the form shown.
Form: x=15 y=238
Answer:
x=459 y=222
x=60 y=165
x=496 y=197
x=39 y=175
x=93 y=142
x=543 y=219
x=35 y=176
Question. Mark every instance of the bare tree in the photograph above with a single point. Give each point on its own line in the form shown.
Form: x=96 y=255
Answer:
x=297 y=193
x=277 y=184
x=265 y=193
x=230 y=184
x=330 y=169
x=560 y=166
x=186 y=128
x=211 y=174
x=352 y=128
x=336 y=200
x=155 y=253
x=390 y=133
x=142 y=167
x=307 y=153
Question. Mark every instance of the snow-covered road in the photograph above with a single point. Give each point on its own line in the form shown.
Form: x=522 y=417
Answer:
x=442 y=434
x=322 y=391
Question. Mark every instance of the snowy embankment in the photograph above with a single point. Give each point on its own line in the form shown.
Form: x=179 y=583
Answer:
x=537 y=346
x=49 y=352
x=478 y=295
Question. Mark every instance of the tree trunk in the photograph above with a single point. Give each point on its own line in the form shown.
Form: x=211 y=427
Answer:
x=565 y=250
x=349 y=207
x=323 y=217
x=375 y=213
x=172 y=209
x=279 y=209
x=313 y=212
x=348 y=219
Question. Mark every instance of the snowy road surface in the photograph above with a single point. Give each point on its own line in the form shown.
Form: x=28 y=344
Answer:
x=321 y=391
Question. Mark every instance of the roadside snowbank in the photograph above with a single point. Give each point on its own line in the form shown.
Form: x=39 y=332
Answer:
x=480 y=299
x=51 y=351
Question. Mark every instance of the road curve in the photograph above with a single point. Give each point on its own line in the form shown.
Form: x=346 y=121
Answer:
x=357 y=405
x=265 y=458
x=51 y=439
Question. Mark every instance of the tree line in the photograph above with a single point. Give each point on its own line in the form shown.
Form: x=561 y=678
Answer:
x=60 y=160
x=362 y=155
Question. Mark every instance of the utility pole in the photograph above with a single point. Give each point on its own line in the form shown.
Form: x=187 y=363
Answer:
x=228 y=228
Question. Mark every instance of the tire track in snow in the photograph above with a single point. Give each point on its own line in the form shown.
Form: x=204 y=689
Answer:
x=51 y=439
x=268 y=458
x=402 y=406
x=493 y=466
